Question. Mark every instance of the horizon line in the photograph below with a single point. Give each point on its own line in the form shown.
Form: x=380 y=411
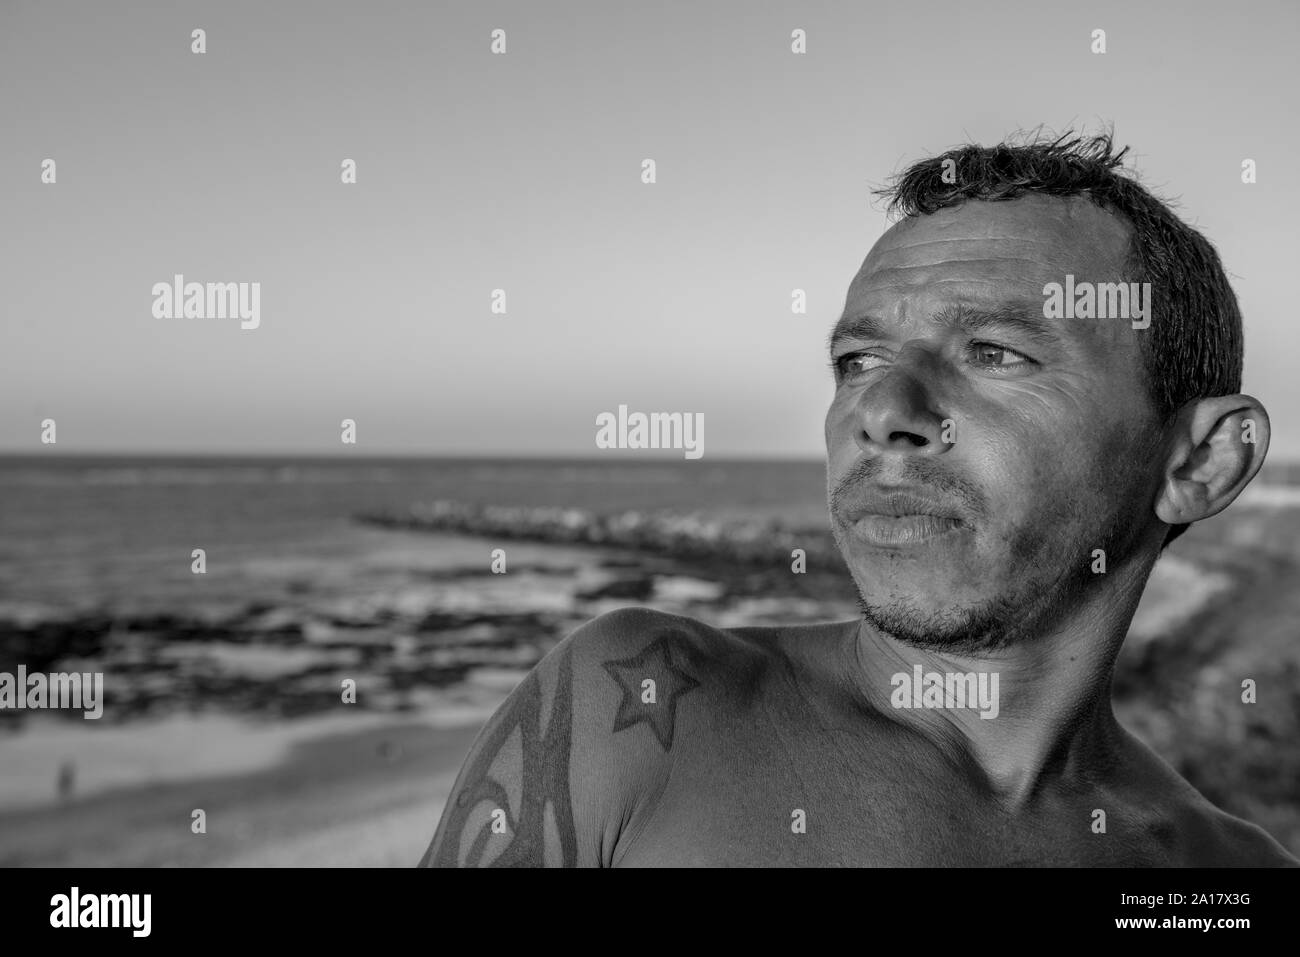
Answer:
x=665 y=456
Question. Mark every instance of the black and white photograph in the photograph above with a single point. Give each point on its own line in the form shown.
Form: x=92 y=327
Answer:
x=748 y=435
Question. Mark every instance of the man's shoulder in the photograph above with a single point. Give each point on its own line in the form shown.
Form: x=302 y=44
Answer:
x=1248 y=845
x=637 y=635
x=1207 y=835
x=571 y=768
x=579 y=751
x=1220 y=839
x=630 y=628
x=638 y=667
x=656 y=657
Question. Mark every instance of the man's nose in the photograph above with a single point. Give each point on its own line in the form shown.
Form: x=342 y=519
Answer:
x=897 y=412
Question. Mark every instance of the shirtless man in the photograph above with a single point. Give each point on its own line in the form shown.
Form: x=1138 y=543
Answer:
x=982 y=455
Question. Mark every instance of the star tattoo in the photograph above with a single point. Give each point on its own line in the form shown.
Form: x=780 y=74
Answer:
x=664 y=662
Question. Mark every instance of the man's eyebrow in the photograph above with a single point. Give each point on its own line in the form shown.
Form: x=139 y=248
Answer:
x=857 y=327
x=1020 y=318
x=1027 y=320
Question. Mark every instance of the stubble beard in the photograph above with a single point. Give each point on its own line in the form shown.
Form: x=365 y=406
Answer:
x=1021 y=612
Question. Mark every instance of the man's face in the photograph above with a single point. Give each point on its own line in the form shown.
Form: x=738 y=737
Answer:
x=978 y=452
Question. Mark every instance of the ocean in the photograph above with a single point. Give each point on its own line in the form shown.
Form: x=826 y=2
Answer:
x=84 y=532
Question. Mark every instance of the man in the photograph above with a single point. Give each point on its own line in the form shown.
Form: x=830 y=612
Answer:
x=1013 y=438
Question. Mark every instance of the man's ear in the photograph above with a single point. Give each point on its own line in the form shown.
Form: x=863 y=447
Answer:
x=1219 y=444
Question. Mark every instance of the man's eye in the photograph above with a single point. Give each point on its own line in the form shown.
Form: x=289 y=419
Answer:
x=993 y=356
x=855 y=363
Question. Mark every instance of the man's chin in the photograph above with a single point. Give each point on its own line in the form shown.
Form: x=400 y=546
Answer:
x=954 y=628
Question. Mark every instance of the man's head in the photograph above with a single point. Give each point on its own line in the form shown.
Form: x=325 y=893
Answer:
x=980 y=452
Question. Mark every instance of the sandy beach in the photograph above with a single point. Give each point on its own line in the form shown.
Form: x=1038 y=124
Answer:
x=367 y=798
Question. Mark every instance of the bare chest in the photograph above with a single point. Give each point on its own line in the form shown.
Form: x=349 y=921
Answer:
x=829 y=800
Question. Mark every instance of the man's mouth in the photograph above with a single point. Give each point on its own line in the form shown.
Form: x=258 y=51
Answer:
x=893 y=531
x=893 y=519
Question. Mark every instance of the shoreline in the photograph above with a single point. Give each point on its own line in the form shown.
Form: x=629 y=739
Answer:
x=366 y=797
x=436 y=649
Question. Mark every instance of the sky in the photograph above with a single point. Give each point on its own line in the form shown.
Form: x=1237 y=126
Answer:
x=522 y=171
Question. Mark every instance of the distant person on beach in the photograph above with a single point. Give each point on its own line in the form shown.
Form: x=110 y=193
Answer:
x=1036 y=377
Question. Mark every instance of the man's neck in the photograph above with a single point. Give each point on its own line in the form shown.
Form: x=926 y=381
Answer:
x=1045 y=701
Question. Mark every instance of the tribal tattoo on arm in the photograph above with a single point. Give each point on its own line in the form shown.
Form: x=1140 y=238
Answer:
x=544 y=783
x=479 y=812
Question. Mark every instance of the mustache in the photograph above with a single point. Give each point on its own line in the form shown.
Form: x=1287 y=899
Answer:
x=920 y=475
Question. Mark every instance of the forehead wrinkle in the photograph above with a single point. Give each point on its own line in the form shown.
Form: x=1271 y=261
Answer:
x=1057 y=236
x=887 y=263
x=981 y=271
x=969 y=253
x=999 y=282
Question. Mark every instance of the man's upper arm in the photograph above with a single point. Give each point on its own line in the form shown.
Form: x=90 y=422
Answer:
x=556 y=774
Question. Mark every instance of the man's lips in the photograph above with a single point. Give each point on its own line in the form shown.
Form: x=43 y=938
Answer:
x=891 y=504
x=898 y=518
